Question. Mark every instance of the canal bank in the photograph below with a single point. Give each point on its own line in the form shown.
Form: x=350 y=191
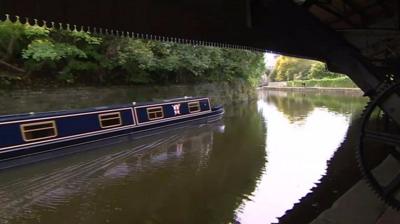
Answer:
x=48 y=99
x=323 y=90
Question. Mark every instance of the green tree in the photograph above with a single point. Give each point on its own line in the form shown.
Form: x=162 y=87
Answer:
x=288 y=68
x=319 y=71
x=72 y=56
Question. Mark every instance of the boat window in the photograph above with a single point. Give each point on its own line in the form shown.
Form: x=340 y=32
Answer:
x=110 y=120
x=38 y=131
x=155 y=113
x=194 y=107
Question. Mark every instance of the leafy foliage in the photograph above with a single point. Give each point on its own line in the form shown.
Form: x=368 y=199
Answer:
x=11 y=40
x=325 y=82
x=65 y=56
x=319 y=71
x=288 y=68
x=45 y=50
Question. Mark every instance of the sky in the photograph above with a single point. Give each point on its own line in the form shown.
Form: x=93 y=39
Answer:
x=270 y=59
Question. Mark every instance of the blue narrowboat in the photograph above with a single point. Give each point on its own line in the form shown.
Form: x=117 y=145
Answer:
x=33 y=133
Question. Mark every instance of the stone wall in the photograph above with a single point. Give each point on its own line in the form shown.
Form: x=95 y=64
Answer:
x=68 y=98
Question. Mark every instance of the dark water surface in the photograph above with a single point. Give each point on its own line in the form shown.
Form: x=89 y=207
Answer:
x=251 y=167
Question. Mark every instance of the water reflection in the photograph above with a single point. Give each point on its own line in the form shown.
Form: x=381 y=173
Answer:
x=27 y=192
x=303 y=132
x=297 y=106
x=194 y=175
x=265 y=157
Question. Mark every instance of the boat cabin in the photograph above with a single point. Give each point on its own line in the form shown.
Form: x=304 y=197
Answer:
x=28 y=130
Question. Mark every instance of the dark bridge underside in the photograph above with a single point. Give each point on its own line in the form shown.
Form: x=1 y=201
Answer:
x=360 y=38
x=315 y=29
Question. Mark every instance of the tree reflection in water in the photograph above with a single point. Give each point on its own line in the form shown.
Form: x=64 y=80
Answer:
x=303 y=132
x=269 y=155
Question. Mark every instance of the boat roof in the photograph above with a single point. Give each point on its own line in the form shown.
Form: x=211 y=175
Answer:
x=31 y=115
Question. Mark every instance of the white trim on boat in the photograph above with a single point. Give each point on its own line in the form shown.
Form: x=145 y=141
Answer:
x=68 y=115
x=89 y=134
x=55 y=149
x=144 y=123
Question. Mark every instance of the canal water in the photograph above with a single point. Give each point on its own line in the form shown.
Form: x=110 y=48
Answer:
x=251 y=167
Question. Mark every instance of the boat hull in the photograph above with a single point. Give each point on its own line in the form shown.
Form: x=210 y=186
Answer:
x=16 y=155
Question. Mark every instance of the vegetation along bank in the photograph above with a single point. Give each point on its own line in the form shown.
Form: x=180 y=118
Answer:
x=33 y=55
x=298 y=72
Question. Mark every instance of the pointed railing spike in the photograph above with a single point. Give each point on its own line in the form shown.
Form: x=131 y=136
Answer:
x=127 y=34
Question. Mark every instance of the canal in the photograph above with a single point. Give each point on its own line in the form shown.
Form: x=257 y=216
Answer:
x=253 y=166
